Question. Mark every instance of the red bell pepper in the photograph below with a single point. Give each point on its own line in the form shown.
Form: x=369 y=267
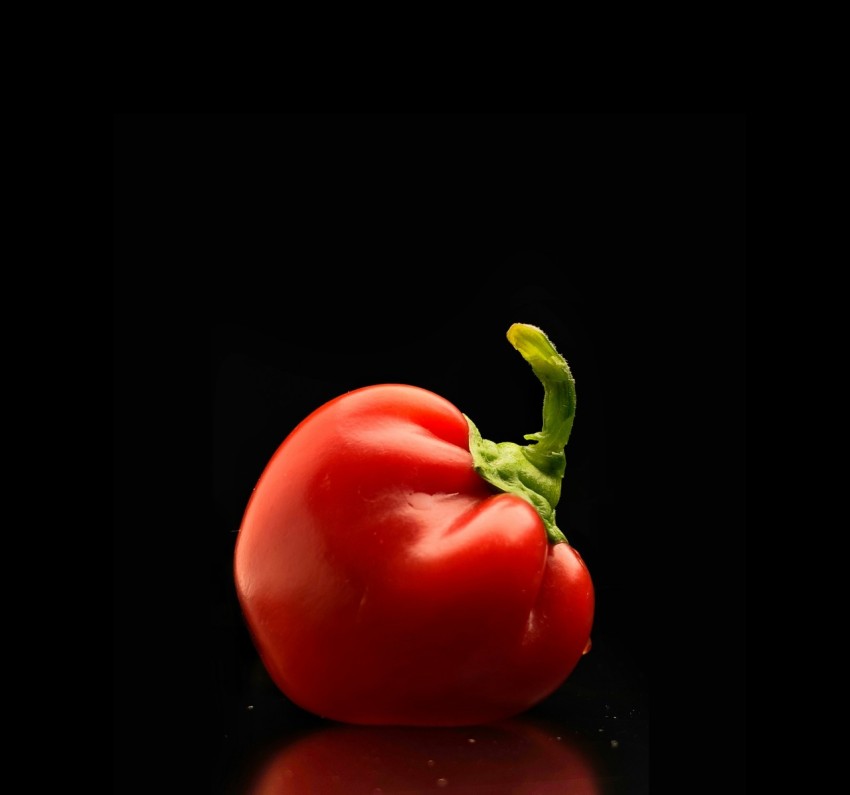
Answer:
x=395 y=568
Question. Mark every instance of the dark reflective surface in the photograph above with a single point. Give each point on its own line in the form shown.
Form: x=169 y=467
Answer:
x=521 y=756
x=590 y=736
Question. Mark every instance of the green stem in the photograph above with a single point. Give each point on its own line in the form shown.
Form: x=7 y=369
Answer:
x=534 y=471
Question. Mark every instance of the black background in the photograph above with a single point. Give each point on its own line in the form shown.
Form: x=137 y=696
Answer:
x=267 y=263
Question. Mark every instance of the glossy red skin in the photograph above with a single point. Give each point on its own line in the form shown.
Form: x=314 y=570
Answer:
x=384 y=582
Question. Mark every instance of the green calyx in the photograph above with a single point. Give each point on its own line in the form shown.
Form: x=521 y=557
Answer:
x=534 y=471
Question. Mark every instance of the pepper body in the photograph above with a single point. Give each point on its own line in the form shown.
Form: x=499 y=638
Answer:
x=383 y=581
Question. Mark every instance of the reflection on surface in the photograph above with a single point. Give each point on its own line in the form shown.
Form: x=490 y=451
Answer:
x=518 y=757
